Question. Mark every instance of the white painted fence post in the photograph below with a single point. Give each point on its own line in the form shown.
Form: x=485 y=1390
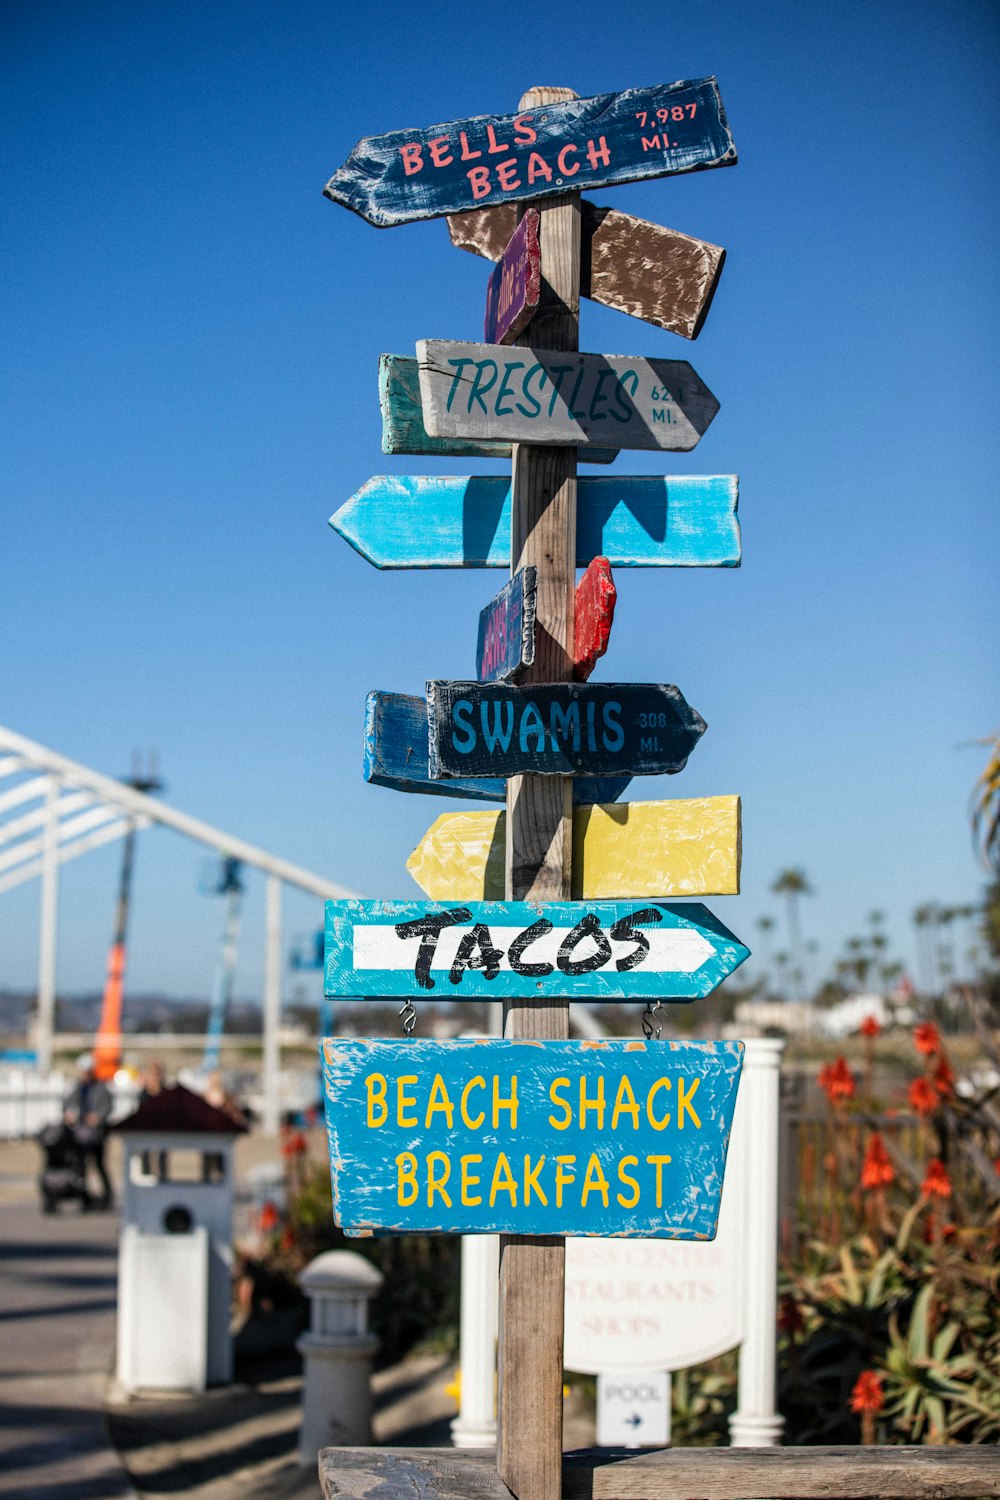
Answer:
x=47 y=929
x=756 y=1423
x=476 y=1423
x=271 y=1070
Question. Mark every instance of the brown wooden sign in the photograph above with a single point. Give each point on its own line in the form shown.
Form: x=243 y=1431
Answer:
x=664 y=277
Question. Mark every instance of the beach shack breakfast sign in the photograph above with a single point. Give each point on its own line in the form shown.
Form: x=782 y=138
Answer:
x=530 y=1137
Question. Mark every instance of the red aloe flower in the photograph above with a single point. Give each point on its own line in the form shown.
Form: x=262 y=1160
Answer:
x=944 y=1078
x=876 y=1169
x=923 y=1096
x=837 y=1081
x=927 y=1038
x=870 y=1026
x=868 y=1394
x=936 y=1183
x=269 y=1217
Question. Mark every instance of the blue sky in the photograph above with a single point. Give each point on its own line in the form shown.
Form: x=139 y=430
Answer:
x=189 y=370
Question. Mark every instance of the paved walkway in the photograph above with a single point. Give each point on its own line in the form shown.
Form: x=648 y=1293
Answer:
x=65 y=1434
x=57 y=1327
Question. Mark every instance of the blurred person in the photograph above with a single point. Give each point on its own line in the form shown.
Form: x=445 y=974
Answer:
x=153 y=1082
x=87 y=1111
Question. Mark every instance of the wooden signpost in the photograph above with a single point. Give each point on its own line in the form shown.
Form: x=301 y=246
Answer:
x=622 y=1138
x=687 y=521
x=542 y=150
x=485 y=391
x=396 y=755
x=403 y=429
x=593 y=614
x=506 y=645
x=677 y=848
x=593 y=729
x=513 y=290
x=656 y=274
x=542 y=951
x=409 y=1150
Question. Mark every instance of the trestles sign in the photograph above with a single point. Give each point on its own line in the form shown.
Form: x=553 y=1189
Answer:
x=529 y=1137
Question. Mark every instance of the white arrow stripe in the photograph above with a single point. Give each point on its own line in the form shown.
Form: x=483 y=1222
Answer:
x=673 y=950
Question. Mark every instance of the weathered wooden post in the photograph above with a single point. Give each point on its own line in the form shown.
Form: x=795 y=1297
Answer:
x=539 y=857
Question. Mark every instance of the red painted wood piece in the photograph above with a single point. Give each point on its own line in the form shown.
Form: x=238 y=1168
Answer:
x=514 y=288
x=595 y=609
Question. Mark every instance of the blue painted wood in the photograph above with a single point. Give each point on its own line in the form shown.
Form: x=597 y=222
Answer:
x=620 y=1138
x=687 y=521
x=403 y=429
x=396 y=755
x=497 y=950
x=506 y=644
x=559 y=729
x=558 y=148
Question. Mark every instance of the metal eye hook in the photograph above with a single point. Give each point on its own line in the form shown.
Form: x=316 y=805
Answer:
x=652 y=1021
x=408 y=1014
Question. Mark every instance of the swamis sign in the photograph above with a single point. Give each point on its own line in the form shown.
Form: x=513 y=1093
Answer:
x=559 y=729
x=484 y=1137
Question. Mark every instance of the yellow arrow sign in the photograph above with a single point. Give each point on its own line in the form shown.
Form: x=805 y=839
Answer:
x=620 y=850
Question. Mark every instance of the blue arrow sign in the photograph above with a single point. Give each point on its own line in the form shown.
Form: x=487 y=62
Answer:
x=529 y=1137
x=688 y=521
x=555 y=148
x=396 y=755
x=594 y=950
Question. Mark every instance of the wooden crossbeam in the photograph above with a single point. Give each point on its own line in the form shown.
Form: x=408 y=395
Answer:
x=926 y=1473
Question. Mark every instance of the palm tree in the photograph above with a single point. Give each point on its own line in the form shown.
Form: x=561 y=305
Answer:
x=793 y=883
x=766 y=925
x=986 y=807
x=924 y=918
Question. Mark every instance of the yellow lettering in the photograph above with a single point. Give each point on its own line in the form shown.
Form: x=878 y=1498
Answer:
x=509 y=1104
x=375 y=1087
x=625 y=1104
x=624 y=1176
x=473 y=1083
x=503 y=1181
x=531 y=1183
x=596 y=1104
x=684 y=1103
x=438 y=1101
x=594 y=1181
x=405 y=1101
x=469 y=1181
x=659 y=1162
x=563 y=1179
x=435 y=1184
x=406 y=1177
x=661 y=1083
x=563 y=1104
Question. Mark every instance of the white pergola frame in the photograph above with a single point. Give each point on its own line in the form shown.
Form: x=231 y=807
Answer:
x=78 y=810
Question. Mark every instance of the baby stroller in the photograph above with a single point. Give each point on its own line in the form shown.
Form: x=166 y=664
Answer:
x=63 y=1176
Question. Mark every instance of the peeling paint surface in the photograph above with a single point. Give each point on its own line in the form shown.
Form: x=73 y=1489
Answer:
x=611 y=1138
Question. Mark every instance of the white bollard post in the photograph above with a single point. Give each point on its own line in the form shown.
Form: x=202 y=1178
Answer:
x=338 y=1352
x=476 y=1423
x=756 y=1423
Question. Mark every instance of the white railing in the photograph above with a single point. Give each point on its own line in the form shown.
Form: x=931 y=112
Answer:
x=29 y=1102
